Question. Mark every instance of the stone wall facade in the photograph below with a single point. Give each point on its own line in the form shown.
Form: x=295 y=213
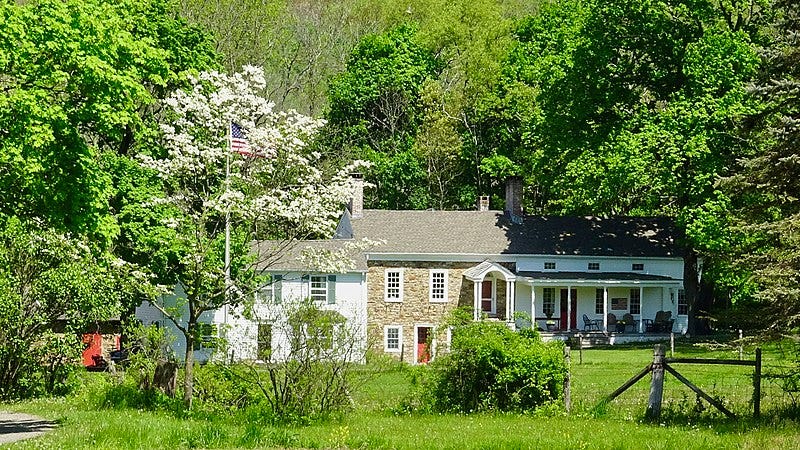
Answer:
x=416 y=308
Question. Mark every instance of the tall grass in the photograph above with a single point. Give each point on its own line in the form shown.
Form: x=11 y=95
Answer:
x=376 y=422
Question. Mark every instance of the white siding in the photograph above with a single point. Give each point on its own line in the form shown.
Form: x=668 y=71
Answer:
x=668 y=267
x=241 y=333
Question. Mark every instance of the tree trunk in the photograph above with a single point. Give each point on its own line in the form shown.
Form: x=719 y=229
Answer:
x=188 y=368
x=690 y=288
x=165 y=377
x=707 y=300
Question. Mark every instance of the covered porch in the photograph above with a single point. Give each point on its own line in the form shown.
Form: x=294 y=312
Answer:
x=620 y=304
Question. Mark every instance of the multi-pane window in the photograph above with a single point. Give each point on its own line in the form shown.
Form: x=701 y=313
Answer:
x=264 y=349
x=438 y=283
x=683 y=307
x=549 y=265
x=637 y=266
x=207 y=335
x=394 y=285
x=392 y=338
x=598 y=301
x=594 y=266
x=270 y=292
x=319 y=288
x=549 y=301
x=636 y=301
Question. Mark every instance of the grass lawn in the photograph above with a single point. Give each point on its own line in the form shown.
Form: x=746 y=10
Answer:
x=375 y=424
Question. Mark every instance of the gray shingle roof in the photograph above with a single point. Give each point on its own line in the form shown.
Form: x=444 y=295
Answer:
x=283 y=256
x=492 y=233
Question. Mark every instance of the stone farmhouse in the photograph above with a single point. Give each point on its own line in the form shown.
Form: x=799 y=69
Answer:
x=614 y=279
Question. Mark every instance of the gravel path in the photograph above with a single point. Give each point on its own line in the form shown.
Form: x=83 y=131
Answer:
x=18 y=426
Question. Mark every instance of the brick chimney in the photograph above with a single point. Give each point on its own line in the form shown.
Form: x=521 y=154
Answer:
x=483 y=203
x=514 y=199
x=356 y=206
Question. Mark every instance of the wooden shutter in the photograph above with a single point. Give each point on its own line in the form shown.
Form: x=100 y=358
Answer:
x=331 y=289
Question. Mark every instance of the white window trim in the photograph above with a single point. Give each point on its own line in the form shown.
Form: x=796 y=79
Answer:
x=386 y=285
x=324 y=288
x=386 y=339
x=446 y=285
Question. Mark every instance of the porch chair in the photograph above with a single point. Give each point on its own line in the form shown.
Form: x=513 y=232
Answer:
x=612 y=322
x=662 y=323
x=590 y=324
x=666 y=322
x=630 y=322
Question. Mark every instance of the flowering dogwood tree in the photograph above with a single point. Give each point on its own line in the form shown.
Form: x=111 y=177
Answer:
x=277 y=192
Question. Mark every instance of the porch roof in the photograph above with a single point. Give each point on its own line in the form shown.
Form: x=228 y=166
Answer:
x=596 y=277
x=477 y=273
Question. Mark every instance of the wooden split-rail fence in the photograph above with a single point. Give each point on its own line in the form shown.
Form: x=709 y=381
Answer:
x=661 y=364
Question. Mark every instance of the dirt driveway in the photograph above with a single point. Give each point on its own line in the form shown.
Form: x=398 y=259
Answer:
x=18 y=426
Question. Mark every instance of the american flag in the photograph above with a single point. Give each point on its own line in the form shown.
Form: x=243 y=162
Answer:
x=239 y=143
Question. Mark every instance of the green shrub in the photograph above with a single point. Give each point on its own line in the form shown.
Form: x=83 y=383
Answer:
x=491 y=367
x=222 y=388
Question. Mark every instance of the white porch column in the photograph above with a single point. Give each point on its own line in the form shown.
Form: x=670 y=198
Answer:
x=533 y=307
x=509 y=293
x=605 y=309
x=641 y=303
x=477 y=300
x=569 y=308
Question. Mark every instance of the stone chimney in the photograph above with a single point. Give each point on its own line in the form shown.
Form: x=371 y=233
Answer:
x=514 y=199
x=356 y=206
x=483 y=203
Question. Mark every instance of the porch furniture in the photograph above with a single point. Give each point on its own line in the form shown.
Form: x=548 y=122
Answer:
x=612 y=321
x=630 y=322
x=555 y=321
x=662 y=323
x=590 y=324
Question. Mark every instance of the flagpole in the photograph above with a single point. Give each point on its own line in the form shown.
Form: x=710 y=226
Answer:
x=227 y=224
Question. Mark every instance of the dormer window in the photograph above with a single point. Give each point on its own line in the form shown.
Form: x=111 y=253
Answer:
x=594 y=266
x=637 y=266
x=550 y=266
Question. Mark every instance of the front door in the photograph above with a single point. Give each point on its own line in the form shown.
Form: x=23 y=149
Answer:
x=423 y=345
x=574 y=313
x=487 y=304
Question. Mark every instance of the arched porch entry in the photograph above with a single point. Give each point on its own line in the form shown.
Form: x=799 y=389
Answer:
x=493 y=291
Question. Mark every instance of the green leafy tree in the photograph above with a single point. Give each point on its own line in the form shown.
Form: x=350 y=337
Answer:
x=634 y=110
x=49 y=281
x=765 y=188
x=77 y=80
x=375 y=110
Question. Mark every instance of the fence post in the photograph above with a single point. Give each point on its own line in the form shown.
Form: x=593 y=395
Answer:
x=672 y=345
x=757 y=386
x=656 y=385
x=567 y=395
